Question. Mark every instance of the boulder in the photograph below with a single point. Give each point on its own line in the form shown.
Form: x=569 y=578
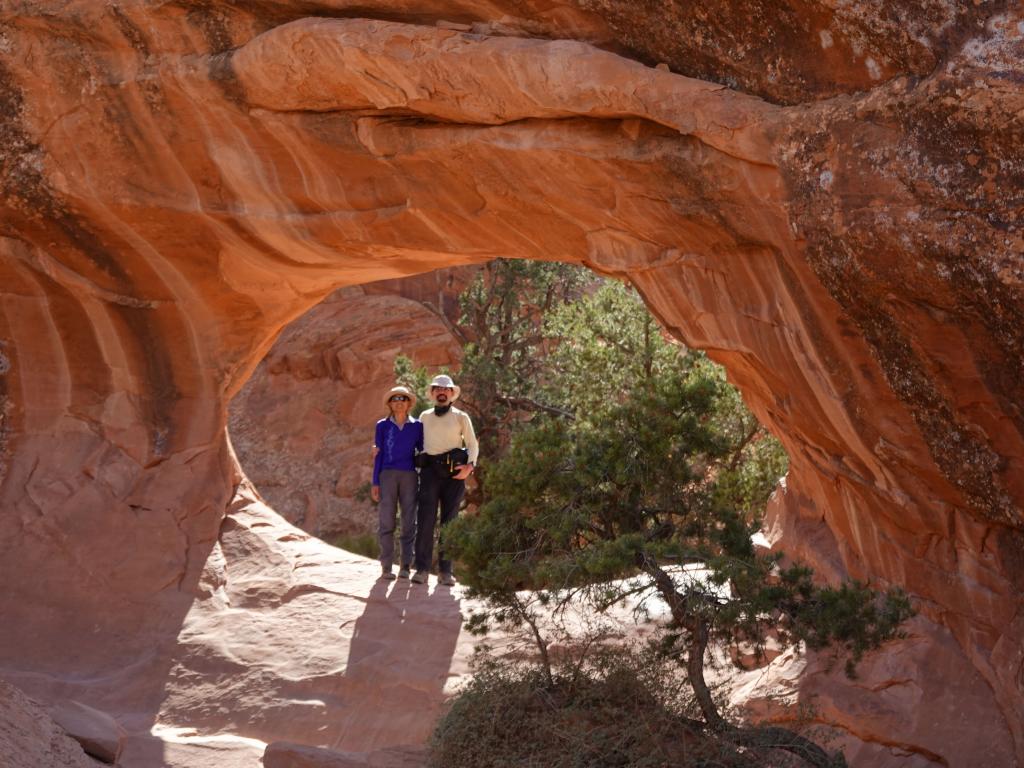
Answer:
x=29 y=738
x=99 y=734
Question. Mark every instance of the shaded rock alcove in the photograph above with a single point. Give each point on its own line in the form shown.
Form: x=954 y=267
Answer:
x=837 y=221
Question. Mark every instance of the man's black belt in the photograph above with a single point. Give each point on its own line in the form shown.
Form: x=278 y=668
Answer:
x=449 y=460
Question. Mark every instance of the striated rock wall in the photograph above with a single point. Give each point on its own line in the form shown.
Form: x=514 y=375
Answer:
x=833 y=212
x=303 y=423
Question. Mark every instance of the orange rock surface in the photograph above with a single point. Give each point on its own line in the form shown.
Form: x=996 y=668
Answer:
x=827 y=199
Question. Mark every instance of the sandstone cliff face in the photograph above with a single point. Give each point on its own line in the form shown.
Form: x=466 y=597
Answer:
x=303 y=424
x=833 y=212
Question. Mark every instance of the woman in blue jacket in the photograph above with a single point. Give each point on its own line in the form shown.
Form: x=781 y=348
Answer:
x=398 y=439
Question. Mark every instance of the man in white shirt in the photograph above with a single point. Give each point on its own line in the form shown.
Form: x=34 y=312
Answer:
x=442 y=475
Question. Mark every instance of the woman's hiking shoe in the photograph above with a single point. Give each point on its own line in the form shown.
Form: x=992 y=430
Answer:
x=420 y=577
x=387 y=575
x=446 y=580
x=403 y=573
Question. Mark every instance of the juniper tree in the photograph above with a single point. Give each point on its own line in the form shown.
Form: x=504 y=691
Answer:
x=645 y=461
x=505 y=349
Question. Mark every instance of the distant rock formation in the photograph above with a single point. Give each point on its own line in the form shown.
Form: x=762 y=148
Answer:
x=827 y=197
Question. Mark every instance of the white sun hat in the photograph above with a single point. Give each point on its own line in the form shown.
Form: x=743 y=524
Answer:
x=442 y=380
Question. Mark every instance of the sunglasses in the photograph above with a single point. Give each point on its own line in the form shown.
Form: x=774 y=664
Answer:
x=397 y=399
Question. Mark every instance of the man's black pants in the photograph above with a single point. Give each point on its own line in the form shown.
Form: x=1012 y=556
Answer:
x=435 y=486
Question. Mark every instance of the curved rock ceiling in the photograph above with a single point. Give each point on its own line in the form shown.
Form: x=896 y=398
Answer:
x=834 y=212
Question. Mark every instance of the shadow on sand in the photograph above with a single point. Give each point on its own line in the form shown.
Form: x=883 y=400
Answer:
x=399 y=661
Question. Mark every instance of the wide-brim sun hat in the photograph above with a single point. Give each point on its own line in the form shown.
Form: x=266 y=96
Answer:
x=442 y=380
x=399 y=390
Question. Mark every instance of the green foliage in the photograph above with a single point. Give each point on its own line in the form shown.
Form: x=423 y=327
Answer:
x=611 y=347
x=618 y=464
x=362 y=492
x=505 y=357
x=659 y=458
x=643 y=460
x=852 y=616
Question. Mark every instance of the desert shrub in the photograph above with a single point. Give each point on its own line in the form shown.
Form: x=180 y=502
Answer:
x=626 y=706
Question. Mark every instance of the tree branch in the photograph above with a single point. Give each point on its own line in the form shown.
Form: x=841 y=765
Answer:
x=685 y=617
x=737 y=454
x=771 y=737
x=529 y=404
x=457 y=332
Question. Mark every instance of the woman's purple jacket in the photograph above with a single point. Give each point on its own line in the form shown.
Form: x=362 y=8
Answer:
x=396 y=446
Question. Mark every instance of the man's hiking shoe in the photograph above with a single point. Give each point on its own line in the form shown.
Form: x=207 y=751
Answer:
x=404 y=572
x=387 y=575
x=420 y=577
x=446 y=580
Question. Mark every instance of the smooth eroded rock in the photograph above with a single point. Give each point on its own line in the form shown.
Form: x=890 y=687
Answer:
x=100 y=735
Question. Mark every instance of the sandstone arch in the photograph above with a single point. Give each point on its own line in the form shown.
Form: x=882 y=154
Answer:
x=176 y=189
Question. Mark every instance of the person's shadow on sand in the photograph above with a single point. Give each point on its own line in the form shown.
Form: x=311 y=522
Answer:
x=399 y=660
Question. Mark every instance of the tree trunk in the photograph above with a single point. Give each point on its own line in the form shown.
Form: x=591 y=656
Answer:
x=695 y=670
x=684 y=617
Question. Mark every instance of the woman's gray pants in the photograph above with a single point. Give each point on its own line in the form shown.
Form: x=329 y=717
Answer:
x=397 y=488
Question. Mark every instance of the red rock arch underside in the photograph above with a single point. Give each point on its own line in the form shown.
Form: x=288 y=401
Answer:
x=837 y=219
